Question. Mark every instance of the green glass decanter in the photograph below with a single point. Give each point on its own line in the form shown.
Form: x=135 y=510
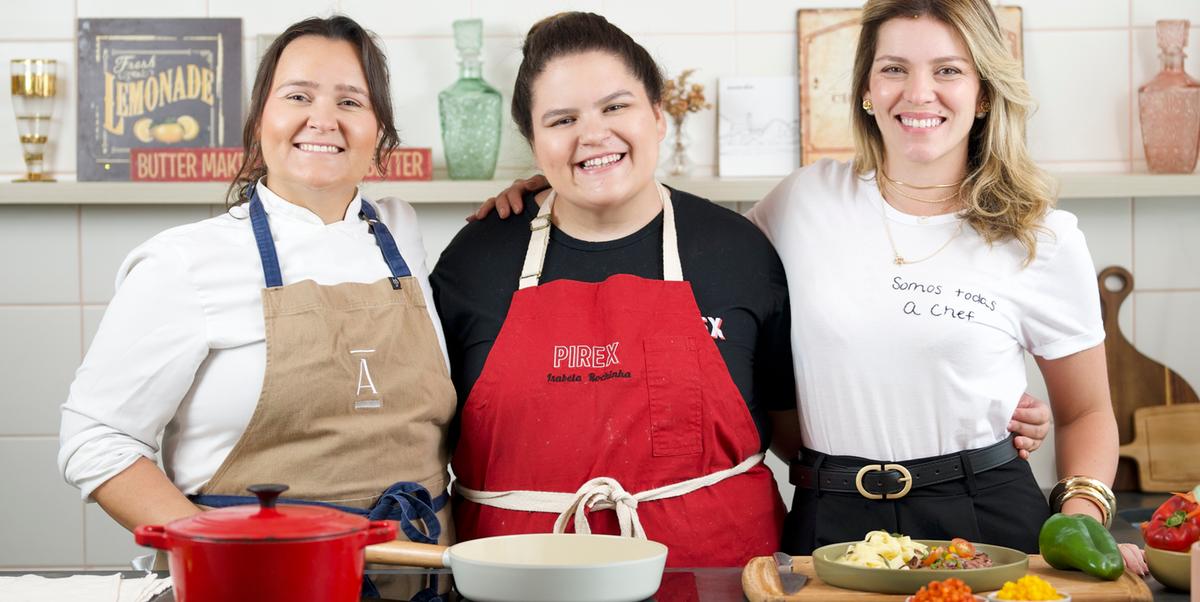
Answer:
x=470 y=111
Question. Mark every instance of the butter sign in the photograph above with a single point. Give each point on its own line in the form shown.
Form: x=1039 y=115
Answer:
x=222 y=164
x=156 y=83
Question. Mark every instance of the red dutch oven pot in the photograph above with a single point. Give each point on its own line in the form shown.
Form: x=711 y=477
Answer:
x=267 y=553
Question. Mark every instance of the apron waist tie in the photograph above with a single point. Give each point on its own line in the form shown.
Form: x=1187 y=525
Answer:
x=600 y=493
x=405 y=502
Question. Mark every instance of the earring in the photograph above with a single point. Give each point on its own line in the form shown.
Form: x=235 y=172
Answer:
x=868 y=107
x=984 y=107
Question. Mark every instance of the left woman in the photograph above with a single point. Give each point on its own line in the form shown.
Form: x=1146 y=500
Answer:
x=289 y=340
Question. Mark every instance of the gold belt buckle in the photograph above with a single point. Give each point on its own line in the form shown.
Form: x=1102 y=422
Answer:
x=905 y=477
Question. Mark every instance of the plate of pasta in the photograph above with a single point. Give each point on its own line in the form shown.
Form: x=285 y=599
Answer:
x=890 y=563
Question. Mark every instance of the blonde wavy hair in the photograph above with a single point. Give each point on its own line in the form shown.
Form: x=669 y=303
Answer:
x=1005 y=195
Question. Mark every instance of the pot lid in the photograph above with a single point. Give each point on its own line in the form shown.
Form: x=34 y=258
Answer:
x=268 y=521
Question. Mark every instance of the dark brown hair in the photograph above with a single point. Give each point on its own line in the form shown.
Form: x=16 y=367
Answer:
x=374 y=65
x=573 y=33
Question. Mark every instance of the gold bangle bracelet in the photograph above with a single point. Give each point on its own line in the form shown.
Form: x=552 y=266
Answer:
x=1100 y=486
x=1077 y=481
x=1088 y=494
x=1060 y=495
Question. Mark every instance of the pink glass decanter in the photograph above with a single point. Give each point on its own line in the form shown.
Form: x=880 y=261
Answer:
x=1170 y=106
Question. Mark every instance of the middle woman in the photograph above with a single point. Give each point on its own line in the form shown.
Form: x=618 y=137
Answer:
x=618 y=352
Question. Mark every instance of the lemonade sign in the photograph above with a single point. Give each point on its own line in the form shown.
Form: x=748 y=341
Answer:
x=155 y=83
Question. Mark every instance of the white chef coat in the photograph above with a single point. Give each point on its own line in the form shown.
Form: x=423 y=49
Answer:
x=180 y=354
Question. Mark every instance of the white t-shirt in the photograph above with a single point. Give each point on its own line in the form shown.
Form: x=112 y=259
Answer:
x=180 y=353
x=897 y=362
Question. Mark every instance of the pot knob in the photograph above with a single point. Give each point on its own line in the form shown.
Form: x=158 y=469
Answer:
x=267 y=494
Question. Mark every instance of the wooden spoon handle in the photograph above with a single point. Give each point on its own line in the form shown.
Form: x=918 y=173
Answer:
x=408 y=553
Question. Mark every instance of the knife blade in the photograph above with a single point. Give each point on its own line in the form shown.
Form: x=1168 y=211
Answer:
x=791 y=582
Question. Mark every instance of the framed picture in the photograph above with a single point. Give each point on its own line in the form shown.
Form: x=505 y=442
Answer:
x=758 y=129
x=155 y=83
x=825 y=41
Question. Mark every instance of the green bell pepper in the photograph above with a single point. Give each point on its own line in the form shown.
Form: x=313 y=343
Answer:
x=1080 y=542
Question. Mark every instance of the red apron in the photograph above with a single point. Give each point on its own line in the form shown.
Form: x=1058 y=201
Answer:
x=612 y=395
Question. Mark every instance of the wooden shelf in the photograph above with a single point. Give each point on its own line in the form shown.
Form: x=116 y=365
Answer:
x=1073 y=186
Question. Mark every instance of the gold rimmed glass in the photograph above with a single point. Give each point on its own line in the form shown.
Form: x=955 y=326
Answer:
x=34 y=84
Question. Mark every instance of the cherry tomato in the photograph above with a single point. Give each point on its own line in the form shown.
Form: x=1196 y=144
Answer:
x=962 y=548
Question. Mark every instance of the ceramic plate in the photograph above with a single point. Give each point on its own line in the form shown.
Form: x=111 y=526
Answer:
x=1007 y=565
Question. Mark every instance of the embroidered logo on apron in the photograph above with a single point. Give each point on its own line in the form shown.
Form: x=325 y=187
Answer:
x=365 y=382
x=586 y=356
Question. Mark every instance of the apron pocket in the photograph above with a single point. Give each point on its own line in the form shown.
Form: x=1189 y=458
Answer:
x=673 y=385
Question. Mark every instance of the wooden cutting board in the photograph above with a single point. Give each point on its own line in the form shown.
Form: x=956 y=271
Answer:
x=1135 y=381
x=1165 y=447
x=760 y=582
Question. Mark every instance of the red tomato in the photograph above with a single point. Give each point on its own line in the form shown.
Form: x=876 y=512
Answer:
x=962 y=548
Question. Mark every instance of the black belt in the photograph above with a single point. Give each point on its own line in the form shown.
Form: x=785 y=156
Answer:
x=893 y=480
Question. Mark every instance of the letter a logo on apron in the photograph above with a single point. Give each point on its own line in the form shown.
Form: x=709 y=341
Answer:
x=366 y=385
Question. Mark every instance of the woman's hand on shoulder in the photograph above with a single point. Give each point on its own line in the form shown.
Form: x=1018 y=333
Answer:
x=510 y=200
x=1030 y=423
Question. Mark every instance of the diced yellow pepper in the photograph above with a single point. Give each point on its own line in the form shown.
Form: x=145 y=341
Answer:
x=1028 y=588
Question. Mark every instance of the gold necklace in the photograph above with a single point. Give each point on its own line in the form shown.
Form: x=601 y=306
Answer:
x=899 y=259
x=897 y=190
x=929 y=187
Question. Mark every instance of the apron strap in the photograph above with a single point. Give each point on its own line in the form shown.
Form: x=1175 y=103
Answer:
x=405 y=502
x=387 y=244
x=270 y=259
x=600 y=493
x=539 y=241
x=266 y=245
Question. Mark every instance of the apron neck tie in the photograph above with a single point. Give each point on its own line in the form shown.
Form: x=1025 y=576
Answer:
x=602 y=493
x=539 y=241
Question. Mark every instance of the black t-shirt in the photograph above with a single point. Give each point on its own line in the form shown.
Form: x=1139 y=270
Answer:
x=735 y=274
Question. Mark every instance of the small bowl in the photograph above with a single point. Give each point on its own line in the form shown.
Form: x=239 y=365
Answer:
x=1172 y=569
x=992 y=598
x=977 y=598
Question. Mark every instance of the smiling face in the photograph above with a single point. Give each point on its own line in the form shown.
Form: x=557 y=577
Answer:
x=925 y=91
x=318 y=131
x=595 y=131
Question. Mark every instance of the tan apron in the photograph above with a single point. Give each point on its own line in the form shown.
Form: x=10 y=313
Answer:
x=356 y=398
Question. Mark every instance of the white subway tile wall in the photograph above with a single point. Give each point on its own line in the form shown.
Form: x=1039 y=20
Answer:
x=40 y=352
x=1084 y=60
x=109 y=232
x=42 y=522
x=141 y=8
x=1165 y=246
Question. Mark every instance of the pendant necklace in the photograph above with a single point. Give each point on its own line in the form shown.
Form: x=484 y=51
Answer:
x=899 y=259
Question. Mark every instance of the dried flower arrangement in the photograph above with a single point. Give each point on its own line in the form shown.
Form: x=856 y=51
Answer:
x=680 y=98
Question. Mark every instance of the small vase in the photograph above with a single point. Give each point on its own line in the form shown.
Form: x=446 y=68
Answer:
x=679 y=164
x=470 y=111
x=1170 y=106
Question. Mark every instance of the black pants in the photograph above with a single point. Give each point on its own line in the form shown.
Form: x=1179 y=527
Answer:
x=1005 y=507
